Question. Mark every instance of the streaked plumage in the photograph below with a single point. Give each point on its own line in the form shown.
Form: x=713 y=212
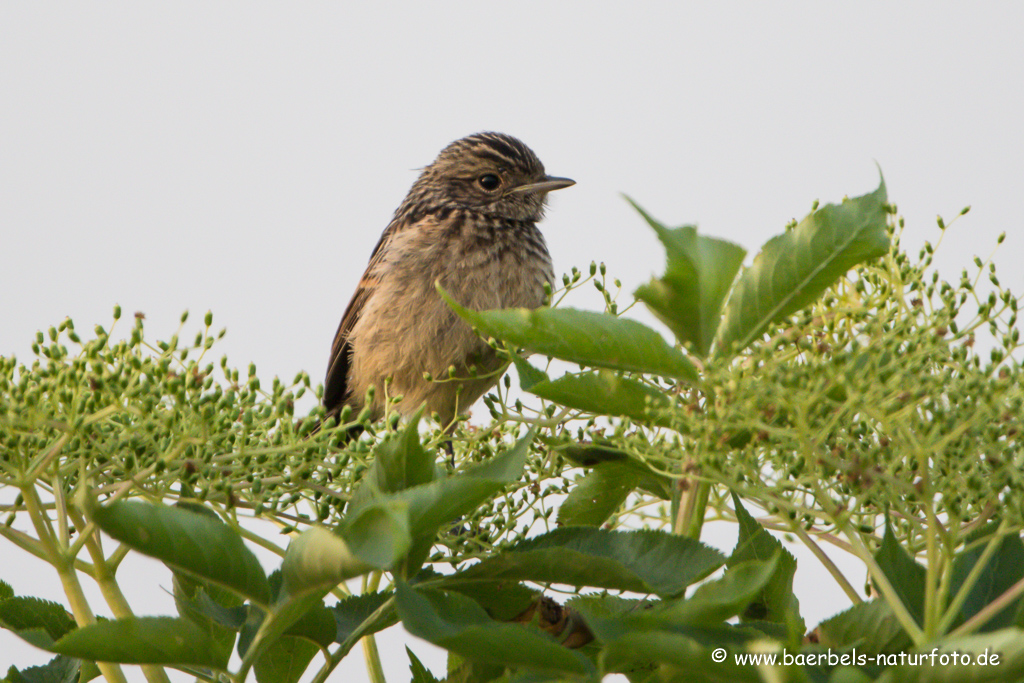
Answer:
x=469 y=222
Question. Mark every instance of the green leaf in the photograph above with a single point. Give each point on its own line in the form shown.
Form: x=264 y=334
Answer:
x=399 y=462
x=870 y=626
x=198 y=599
x=796 y=267
x=380 y=532
x=604 y=393
x=777 y=603
x=205 y=548
x=317 y=626
x=583 y=337
x=502 y=600
x=351 y=613
x=284 y=660
x=528 y=375
x=429 y=506
x=145 y=640
x=221 y=611
x=639 y=561
x=420 y=673
x=379 y=535
x=470 y=671
x=60 y=669
x=593 y=454
x=1004 y=569
x=597 y=495
x=1007 y=646
x=457 y=623
x=698 y=276
x=41 y=623
x=36 y=621
x=599 y=455
x=200 y=605
x=715 y=601
x=680 y=656
x=604 y=605
x=903 y=572
x=637 y=635
x=317 y=560
x=710 y=605
x=288 y=636
x=443 y=500
x=223 y=623
x=263 y=632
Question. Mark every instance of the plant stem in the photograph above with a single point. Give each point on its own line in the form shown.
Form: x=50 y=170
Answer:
x=931 y=606
x=259 y=540
x=346 y=646
x=972 y=578
x=990 y=610
x=370 y=653
x=372 y=657
x=830 y=538
x=47 y=458
x=25 y=542
x=885 y=588
x=103 y=574
x=693 y=502
x=827 y=562
x=68 y=577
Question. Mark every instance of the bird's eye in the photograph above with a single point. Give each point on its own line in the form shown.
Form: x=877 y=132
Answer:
x=489 y=182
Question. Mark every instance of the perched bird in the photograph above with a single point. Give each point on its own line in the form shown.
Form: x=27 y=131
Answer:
x=469 y=223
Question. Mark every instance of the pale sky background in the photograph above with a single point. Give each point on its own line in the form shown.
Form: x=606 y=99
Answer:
x=244 y=157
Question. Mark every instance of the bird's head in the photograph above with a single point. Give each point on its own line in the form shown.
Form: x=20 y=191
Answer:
x=491 y=173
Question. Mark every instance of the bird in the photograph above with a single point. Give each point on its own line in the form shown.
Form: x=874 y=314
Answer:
x=468 y=224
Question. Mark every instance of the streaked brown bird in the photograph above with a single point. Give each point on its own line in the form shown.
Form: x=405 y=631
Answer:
x=470 y=223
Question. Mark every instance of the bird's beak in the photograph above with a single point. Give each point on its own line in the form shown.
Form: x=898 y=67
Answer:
x=546 y=184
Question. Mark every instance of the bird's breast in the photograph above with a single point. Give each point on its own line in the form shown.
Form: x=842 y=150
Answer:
x=498 y=264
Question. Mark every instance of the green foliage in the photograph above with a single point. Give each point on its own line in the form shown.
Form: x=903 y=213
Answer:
x=582 y=337
x=638 y=561
x=903 y=573
x=842 y=395
x=776 y=602
x=145 y=640
x=984 y=574
x=199 y=544
x=603 y=392
x=698 y=276
x=869 y=626
x=793 y=269
x=459 y=624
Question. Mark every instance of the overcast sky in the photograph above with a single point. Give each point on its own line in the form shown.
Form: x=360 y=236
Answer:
x=244 y=157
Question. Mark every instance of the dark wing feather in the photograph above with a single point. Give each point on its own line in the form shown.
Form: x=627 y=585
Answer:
x=336 y=385
x=336 y=389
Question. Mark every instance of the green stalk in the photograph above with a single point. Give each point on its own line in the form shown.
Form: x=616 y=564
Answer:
x=27 y=543
x=103 y=574
x=990 y=610
x=827 y=562
x=972 y=578
x=885 y=588
x=372 y=657
x=68 y=576
x=698 y=509
x=370 y=652
x=931 y=603
x=693 y=503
